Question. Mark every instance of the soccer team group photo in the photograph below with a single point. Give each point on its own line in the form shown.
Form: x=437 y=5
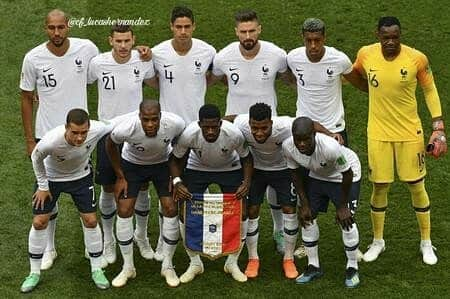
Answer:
x=308 y=163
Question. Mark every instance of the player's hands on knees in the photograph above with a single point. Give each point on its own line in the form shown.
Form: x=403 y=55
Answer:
x=181 y=192
x=344 y=218
x=437 y=145
x=304 y=215
x=145 y=53
x=39 y=198
x=121 y=188
x=338 y=138
x=242 y=191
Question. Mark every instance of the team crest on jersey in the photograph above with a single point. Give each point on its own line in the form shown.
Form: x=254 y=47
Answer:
x=323 y=164
x=166 y=140
x=265 y=72
x=224 y=150
x=137 y=76
x=198 y=67
x=403 y=74
x=138 y=147
x=330 y=74
x=79 y=64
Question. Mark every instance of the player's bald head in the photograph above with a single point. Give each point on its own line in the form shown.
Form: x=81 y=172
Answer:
x=56 y=13
x=302 y=126
x=149 y=105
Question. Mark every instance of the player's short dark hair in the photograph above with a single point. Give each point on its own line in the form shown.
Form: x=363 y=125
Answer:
x=246 y=15
x=260 y=111
x=208 y=111
x=313 y=25
x=180 y=12
x=149 y=103
x=388 y=21
x=77 y=116
x=122 y=28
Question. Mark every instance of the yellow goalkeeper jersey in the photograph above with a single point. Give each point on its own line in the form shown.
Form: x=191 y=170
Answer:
x=392 y=88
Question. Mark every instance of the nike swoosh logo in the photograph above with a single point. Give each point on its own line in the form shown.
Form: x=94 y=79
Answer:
x=46 y=70
x=167 y=65
x=298 y=70
x=106 y=73
x=232 y=69
x=371 y=70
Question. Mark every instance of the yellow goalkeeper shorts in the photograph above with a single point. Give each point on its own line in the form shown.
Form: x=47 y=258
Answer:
x=407 y=156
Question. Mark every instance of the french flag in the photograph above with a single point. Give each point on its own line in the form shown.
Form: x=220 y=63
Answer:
x=213 y=224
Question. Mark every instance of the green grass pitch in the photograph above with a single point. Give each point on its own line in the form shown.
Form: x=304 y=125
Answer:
x=399 y=272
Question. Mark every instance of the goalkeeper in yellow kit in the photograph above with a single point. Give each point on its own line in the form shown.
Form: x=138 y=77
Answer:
x=395 y=135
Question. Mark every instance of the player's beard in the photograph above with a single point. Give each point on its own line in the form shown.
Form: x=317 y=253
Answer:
x=59 y=43
x=249 y=44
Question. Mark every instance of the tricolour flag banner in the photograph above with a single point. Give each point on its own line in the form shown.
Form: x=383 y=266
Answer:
x=213 y=224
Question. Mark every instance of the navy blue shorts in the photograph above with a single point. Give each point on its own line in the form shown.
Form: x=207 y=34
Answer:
x=138 y=175
x=279 y=180
x=104 y=172
x=198 y=181
x=81 y=190
x=320 y=192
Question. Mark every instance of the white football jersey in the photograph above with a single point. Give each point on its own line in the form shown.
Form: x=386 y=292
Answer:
x=327 y=162
x=119 y=84
x=143 y=150
x=182 y=79
x=250 y=81
x=56 y=160
x=319 y=86
x=268 y=155
x=60 y=81
x=221 y=155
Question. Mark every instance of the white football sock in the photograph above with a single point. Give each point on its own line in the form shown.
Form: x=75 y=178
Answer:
x=108 y=208
x=37 y=240
x=124 y=231
x=310 y=236
x=290 y=235
x=275 y=210
x=252 y=238
x=94 y=245
x=160 y=220
x=351 y=242
x=141 y=210
x=51 y=229
x=171 y=234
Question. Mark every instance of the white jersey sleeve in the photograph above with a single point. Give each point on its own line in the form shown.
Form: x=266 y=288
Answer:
x=288 y=151
x=184 y=141
x=40 y=152
x=28 y=75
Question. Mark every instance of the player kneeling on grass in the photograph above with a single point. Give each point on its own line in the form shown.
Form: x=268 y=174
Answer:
x=61 y=164
x=335 y=174
x=147 y=140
